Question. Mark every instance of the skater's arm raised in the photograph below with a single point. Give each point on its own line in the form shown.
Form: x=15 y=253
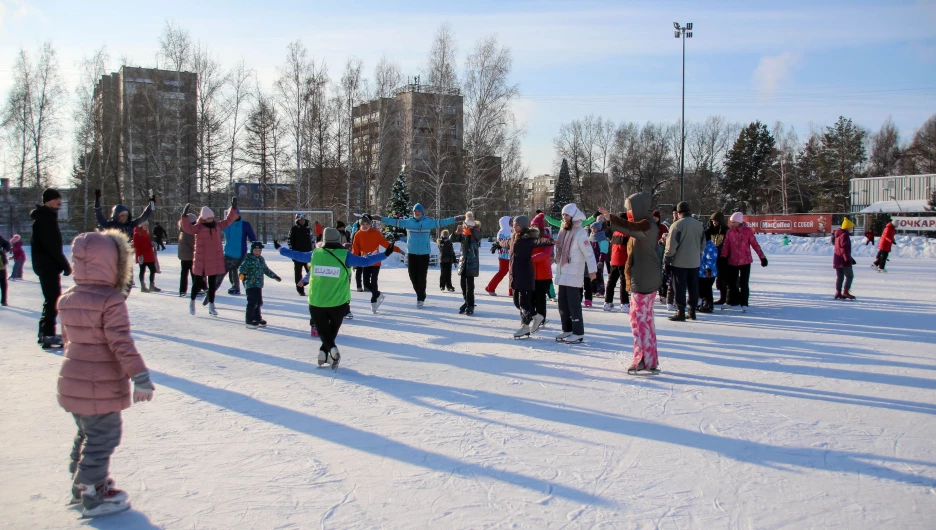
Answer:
x=232 y=216
x=143 y=216
x=295 y=255
x=187 y=227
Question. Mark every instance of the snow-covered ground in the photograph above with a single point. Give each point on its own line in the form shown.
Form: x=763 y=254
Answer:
x=905 y=247
x=803 y=413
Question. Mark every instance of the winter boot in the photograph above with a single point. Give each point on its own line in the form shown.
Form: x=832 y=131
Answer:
x=143 y=288
x=838 y=295
x=211 y=310
x=680 y=316
x=191 y=307
x=469 y=310
x=847 y=295
x=154 y=289
x=691 y=314
x=462 y=308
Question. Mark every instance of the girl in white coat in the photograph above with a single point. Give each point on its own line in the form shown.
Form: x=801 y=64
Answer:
x=573 y=255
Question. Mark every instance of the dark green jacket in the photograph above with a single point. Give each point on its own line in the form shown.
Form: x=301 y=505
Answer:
x=253 y=268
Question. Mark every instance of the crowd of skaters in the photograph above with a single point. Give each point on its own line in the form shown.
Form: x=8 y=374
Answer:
x=646 y=260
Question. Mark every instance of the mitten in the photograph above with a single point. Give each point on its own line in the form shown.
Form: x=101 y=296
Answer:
x=234 y=202
x=142 y=387
x=763 y=262
x=277 y=278
x=276 y=244
x=68 y=270
x=389 y=250
x=97 y=195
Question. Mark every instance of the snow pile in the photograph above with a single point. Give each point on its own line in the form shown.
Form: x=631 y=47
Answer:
x=908 y=247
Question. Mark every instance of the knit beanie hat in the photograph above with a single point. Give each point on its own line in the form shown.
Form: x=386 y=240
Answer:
x=522 y=221
x=656 y=213
x=846 y=224
x=573 y=211
x=206 y=212
x=737 y=217
x=469 y=219
x=256 y=244
x=596 y=226
x=332 y=235
x=50 y=195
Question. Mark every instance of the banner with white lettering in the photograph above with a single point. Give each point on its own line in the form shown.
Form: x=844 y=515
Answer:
x=915 y=224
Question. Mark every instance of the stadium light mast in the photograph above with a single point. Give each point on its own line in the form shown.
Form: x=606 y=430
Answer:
x=686 y=33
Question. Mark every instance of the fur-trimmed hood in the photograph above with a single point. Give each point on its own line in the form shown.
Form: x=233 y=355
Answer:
x=528 y=233
x=103 y=258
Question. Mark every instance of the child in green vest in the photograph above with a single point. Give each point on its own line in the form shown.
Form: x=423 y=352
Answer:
x=251 y=272
x=330 y=287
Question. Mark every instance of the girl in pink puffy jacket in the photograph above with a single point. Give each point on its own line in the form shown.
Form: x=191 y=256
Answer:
x=737 y=247
x=100 y=359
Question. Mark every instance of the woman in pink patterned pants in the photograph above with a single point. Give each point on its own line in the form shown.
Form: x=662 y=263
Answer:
x=641 y=321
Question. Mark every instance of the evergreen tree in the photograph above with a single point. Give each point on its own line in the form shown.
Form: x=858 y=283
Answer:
x=931 y=204
x=841 y=159
x=747 y=168
x=398 y=207
x=563 y=194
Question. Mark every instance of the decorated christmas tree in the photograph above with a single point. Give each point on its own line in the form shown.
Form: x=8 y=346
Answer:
x=563 y=194
x=398 y=207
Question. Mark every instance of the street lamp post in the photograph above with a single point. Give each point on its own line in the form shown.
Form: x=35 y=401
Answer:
x=686 y=33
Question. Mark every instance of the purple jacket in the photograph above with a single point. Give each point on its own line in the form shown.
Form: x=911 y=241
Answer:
x=842 y=256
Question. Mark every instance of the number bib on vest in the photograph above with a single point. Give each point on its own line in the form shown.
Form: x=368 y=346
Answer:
x=329 y=284
x=329 y=272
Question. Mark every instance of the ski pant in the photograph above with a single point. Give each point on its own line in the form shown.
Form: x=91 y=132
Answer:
x=358 y=277
x=523 y=300
x=596 y=286
x=617 y=273
x=705 y=292
x=3 y=286
x=152 y=273
x=299 y=270
x=186 y=272
x=539 y=296
x=570 y=309
x=467 y=288
x=230 y=266
x=738 y=285
x=503 y=267
x=664 y=286
x=418 y=269
x=17 y=273
x=97 y=437
x=370 y=275
x=685 y=280
x=881 y=260
x=846 y=275
x=51 y=285
x=869 y=242
x=212 y=282
x=721 y=280
x=254 y=303
x=445 y=276
x=327 y=321
x=641 y=321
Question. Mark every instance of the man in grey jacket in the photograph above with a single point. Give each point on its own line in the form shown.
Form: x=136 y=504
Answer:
x=682 y=257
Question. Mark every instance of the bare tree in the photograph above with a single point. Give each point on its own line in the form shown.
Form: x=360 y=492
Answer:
x=353 y=89
x=644 y=157
x=570 y=145
x=707 y=143
x=488 y=119
x=386 y=163
x=48 y=93
x=239 y=79
x=294 y=90
x=211 y=116
x=884 y=151
x=87 y=120
x=17 y=114
x=923 y=148
x=175 y=46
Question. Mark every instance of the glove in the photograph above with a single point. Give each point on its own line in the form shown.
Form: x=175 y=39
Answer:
x=142 y=387
x=494 y=248
x=185 y=211
x=97 y=195
x=853 y=262
x=234 y=202
x=276 y=244
x=277 y=278
x=389 y=250
x=67 y=271
x=763 y=262
x=153 y=198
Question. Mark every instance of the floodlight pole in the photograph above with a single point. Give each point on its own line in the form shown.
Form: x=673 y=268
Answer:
x=684 y=32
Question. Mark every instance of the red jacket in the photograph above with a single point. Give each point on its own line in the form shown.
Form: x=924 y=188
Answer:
x=619 y=250
x=542 y=256
x=738 y=244
x=143 y=246
x=887 y=237
x=842 y=256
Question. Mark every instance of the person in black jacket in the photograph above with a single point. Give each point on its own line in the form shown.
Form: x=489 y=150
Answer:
x=523 y=275
x=159 y=234
x=120 y=216
x=48 y=263
x=446 y=260
x=300 y=240
x=716 y=231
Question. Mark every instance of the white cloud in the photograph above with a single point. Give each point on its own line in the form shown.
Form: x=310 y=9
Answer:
x=771 y=71
x=16 y=11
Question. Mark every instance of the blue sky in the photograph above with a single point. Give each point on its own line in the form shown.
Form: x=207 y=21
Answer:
x=802 y=62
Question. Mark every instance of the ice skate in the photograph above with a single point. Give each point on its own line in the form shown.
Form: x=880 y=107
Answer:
x=191 y=307
x=524 y=331
x=691 y=314
x=670 y=307
x=537 y=323
x=253 y=325
x=211 y=309
x=608 y=307
x=838 y=295
x=451 y=289
x=376 y=305
x=469 y=310
x=233 y=291
x=625 y=308
x=323 y=358
x=314 y=333
x=154 y=289
x=113 y=494
x=262 y=323
x=574 y=339
x=349 y=316
x=563 y=336
x=419 y=304
x=98 y=500
x=335 y=357
x=744 y=309
x=847 y=295
x=588 y=303
x=52 y=342
x=462 y=308
x=182 y=294
x=143 y=288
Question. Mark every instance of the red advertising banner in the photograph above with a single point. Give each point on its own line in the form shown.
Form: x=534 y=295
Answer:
x=790 y=224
